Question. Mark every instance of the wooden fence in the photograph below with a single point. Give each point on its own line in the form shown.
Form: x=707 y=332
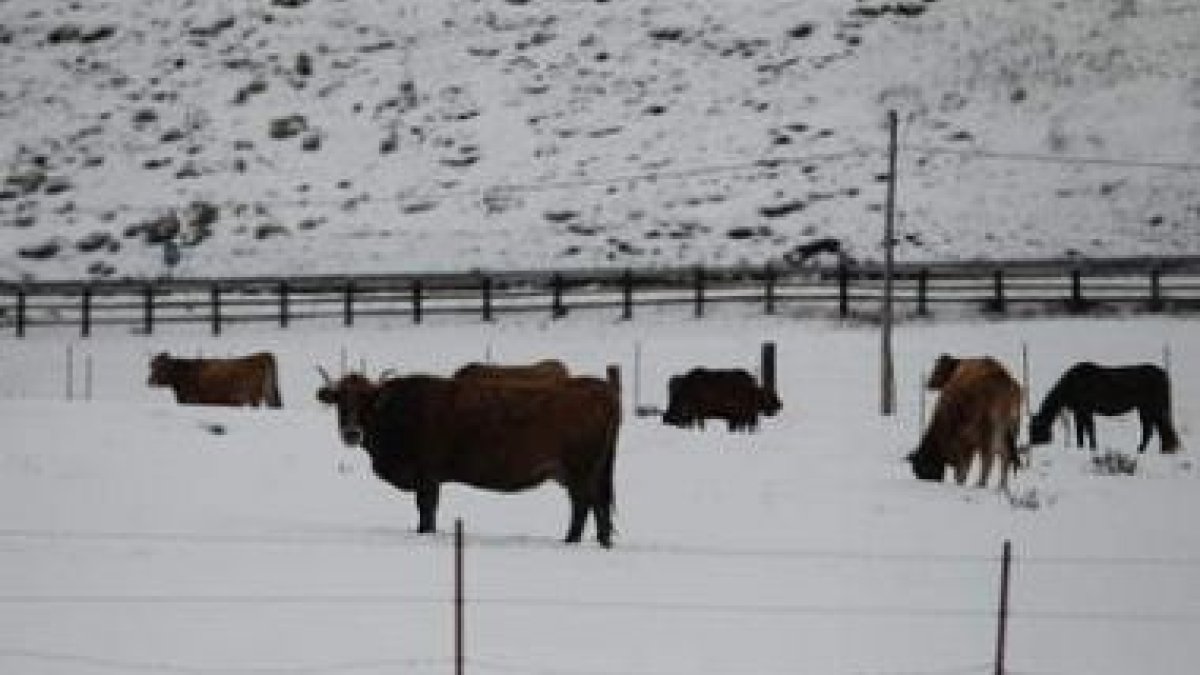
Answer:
x=846 y=291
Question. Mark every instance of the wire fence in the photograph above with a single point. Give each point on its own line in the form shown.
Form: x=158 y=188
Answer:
x=898 y=616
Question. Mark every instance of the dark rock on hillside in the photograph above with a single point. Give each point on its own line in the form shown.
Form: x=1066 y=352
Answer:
x=781 y=210
x=282 y=128
x=214 y=29
x=43 y=251
x=94 y=242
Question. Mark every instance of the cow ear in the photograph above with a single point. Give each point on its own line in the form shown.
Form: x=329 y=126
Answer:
x=327 y=395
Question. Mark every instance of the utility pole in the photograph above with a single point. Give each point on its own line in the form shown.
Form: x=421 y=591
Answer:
x=887 y=376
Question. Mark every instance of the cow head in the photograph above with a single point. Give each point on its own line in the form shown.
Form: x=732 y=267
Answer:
x=769 y=403
x=943 y=368
x=161 y=368
x=354 y=396
x=1039 y=429
x=927 y=465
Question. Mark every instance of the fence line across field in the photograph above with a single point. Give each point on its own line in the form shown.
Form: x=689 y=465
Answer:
x=844 y=290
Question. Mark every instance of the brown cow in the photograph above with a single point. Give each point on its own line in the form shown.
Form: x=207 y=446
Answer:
x=978 y=412
x=542 y=371
x=422 y=431
x=731 y=395
x=247 y=380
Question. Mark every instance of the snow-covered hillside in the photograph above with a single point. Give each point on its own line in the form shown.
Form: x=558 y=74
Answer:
x=141 y=536
x=268 y=136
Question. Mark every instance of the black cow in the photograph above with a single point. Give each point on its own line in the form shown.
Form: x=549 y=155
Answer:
x=731 y=395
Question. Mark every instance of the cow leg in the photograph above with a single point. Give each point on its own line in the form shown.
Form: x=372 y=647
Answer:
x=961 y=468
x=1147 y=429
x=1087 y=427
x=986 y=459
x=579 y=511
x=604 y=528
x=427 y=503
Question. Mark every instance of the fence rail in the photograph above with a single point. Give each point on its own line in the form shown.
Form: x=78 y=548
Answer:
x=847 y=289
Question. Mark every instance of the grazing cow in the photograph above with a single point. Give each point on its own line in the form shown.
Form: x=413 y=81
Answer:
x=542 y=371
x=731 y=395
x=1087 y=389
x=422 y=431
x=977 y=413
x=247 y=380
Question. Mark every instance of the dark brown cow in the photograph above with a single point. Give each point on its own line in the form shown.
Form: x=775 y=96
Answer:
x=542 y=371
x=422 y=431
x=731 y=395
x=978 y=413
x=247 y=380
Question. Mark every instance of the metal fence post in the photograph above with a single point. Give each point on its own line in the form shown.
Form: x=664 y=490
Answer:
x=699 y=289
x=1002 y=619
x=459 y=600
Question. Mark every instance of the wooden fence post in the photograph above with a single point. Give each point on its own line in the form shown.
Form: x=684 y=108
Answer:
x=215 y=301
x=85 y=312
x=1156 y=299
x=843 y=289
x=417 y=291
x=699 y=291
x=348 y=304
x=557 y=310
x=1077 y=304
x=627 y=295
x=923 y=292
x=283 y=304
x=148 y=309
x=1002 y=619
x=769 y=288
x=998 y=303
x=21 y=313
x=485 y=289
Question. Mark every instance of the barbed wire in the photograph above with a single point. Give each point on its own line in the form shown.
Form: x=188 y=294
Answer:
x=129 y=665
x=384 y=539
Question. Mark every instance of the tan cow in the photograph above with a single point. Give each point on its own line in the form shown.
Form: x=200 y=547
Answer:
x=247 y=380
x=978 y=414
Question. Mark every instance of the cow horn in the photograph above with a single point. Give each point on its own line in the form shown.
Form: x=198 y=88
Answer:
x=324 y=375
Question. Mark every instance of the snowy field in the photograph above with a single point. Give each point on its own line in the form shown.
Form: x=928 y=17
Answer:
x=134 y=539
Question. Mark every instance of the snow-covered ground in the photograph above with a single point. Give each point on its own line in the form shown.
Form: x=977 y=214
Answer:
x=411 y=135
x=135 y=539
